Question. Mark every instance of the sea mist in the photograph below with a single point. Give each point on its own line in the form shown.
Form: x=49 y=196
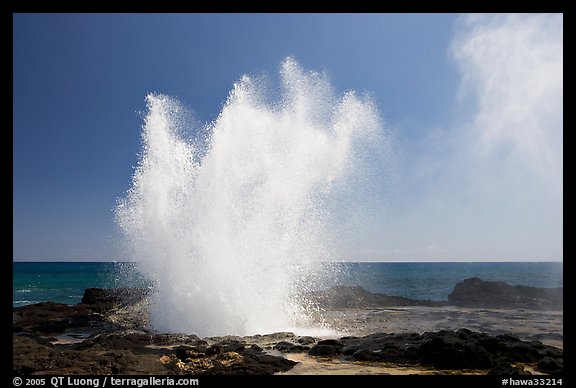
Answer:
x=231 y=220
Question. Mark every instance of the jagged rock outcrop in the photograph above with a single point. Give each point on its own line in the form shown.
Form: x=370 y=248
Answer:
x=475 y=292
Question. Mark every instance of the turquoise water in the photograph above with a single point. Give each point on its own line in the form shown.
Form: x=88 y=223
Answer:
x=435 y=281
x=65 y=282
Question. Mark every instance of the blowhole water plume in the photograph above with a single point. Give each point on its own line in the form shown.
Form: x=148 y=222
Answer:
x=232 y=220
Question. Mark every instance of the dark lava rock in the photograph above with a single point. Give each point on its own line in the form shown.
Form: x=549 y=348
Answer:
x=357 y=296
x=254 y=362
x=461 y=349
x=306 y=340
x=256 y=348
x=450 y=350
x=30 y=357
x=325 y=350
x=279 y=336
x=115 y=349
x=175 y=339
x=475 y=292
x=52 y=318
x=508 y=370
x=133 y=342
x=131 y=353
x=331 y=342
x=87 y=317
x=551 y=365
x=102 y=299
x=364 y=355
x=182 y=352
x=214 y=349
x=288 y=347
x=105 y=347
x=232 y=346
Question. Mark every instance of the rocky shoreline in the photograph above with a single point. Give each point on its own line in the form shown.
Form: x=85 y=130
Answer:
x=108 y=333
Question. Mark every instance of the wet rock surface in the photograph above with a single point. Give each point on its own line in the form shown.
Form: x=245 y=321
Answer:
x=101 y=299
x=475 y=292
x=108 y=334
x=461 y=349
x=88 y=338
x=357 y=296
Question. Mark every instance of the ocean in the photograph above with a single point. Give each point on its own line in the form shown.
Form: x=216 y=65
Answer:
x=64 y=282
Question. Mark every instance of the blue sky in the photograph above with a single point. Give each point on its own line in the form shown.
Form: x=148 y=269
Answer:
x=472 y=105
